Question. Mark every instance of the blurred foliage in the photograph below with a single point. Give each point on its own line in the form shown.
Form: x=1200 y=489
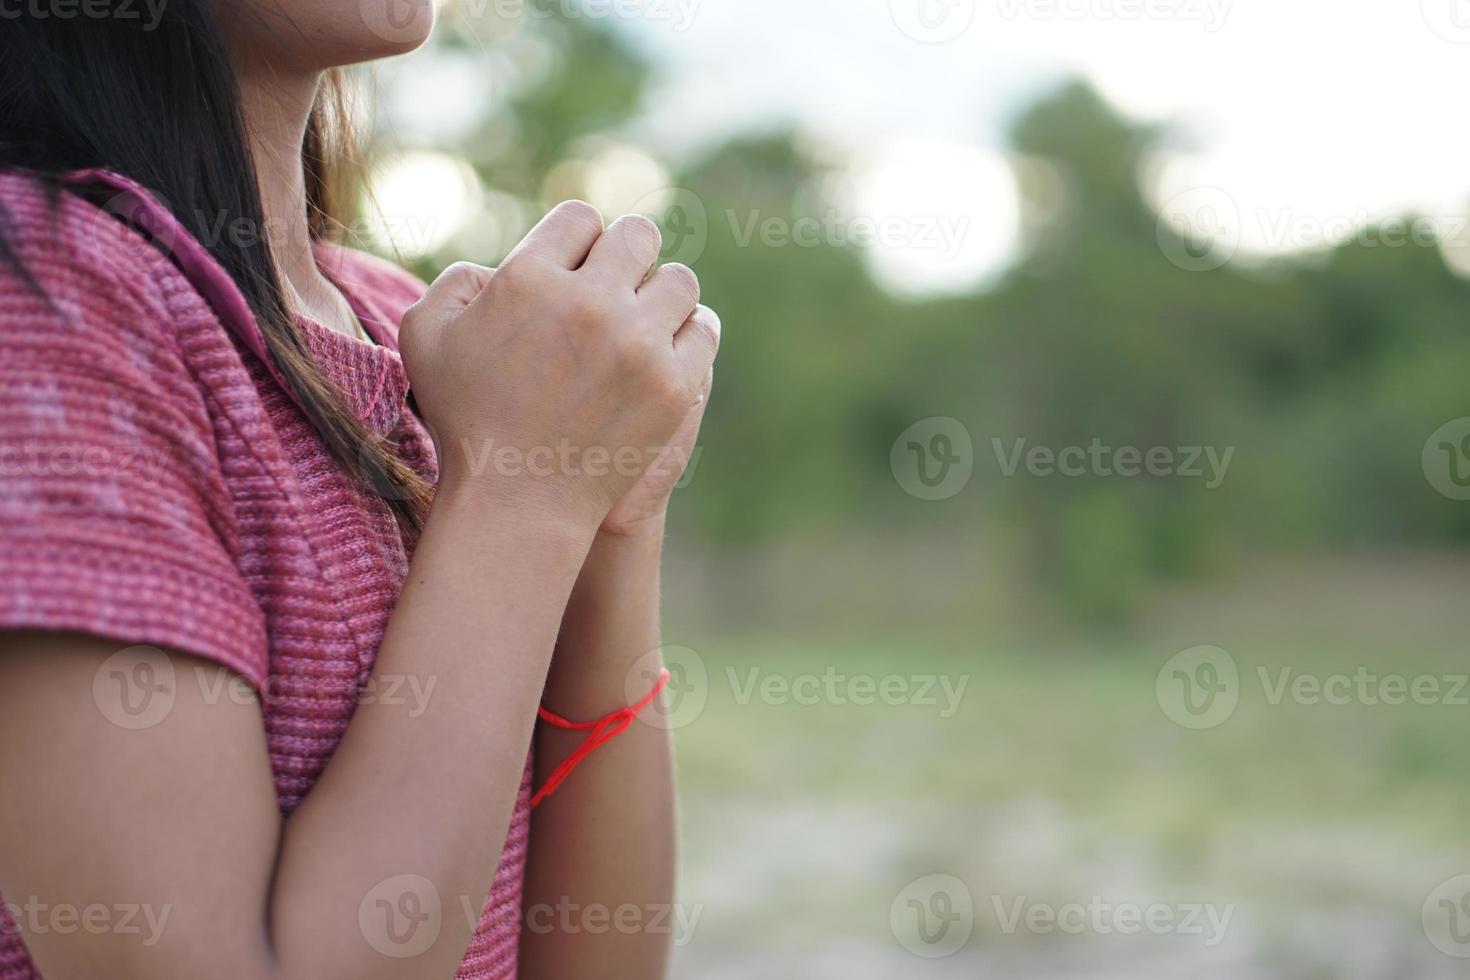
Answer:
x=1325 y=373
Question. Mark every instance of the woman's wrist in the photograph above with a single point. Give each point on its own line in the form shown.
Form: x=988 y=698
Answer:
x=463 y=506
x=624 y=561
x=539 y=504
x=645 y=534
x=611 y=623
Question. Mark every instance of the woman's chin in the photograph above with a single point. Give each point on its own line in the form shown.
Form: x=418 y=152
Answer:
x=321 y=34
x=394 y=26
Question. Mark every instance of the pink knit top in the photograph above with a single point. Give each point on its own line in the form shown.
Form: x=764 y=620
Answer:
x=157 y=487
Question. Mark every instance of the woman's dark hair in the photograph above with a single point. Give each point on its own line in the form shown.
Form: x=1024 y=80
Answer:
x=152 y=96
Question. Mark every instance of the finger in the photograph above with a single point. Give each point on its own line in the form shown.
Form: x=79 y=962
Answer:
x=454 y=289
x=565 y=236
x=672 y=292
x=696 y=344
x=626 y=251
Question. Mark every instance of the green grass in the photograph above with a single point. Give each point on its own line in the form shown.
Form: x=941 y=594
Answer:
x=1060 y=777
x=1083 y=730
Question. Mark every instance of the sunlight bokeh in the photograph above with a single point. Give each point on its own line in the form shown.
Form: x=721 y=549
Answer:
x=418 y=199
x=939 y=217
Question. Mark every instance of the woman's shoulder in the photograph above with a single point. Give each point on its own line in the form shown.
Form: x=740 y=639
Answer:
x=38 y=212
x=93 y=315
x=63 y=254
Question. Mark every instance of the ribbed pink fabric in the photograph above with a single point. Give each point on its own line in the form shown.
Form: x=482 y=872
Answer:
x=157 y=487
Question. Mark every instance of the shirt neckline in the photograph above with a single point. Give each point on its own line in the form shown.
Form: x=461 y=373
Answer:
x=369 y=373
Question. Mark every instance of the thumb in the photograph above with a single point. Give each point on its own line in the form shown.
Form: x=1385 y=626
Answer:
x=696 y=343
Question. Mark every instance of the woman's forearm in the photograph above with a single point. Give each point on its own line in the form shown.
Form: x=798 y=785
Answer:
x=371 y=876
x=430 y=794
x=600 y=873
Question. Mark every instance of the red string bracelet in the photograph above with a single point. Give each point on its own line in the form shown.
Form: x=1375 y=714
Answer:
x=603 y=730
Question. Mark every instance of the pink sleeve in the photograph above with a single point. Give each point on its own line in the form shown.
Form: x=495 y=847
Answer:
x=114 y=515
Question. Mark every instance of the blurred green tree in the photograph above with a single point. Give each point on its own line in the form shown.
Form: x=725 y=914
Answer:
x=1322 y=374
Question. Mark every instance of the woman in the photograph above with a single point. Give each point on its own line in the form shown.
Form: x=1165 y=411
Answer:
x=271 y=657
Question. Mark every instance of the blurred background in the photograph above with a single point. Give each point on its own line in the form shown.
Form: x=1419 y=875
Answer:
x=1072 y=578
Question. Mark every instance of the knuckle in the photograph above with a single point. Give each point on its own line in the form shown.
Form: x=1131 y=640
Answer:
x=523 y=273
x=517 y=268
x=681 y=277
x=586 y=311
x=710 y=337
x=706 y=326
x=669 y=388
x=452 y=278
x=632 y=351
x=579 y=215
x=586 y=306
x=509 y=291
x=641 y=231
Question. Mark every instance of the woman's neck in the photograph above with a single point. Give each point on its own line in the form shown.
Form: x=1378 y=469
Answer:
x=276 y=112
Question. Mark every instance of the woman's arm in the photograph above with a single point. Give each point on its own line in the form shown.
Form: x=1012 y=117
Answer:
x=566 y=341
x=600 y=875
x=181 y=818
x=600 y=872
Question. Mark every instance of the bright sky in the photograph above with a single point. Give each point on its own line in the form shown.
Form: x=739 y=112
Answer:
x=1303 y=117
x=1310 y=115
